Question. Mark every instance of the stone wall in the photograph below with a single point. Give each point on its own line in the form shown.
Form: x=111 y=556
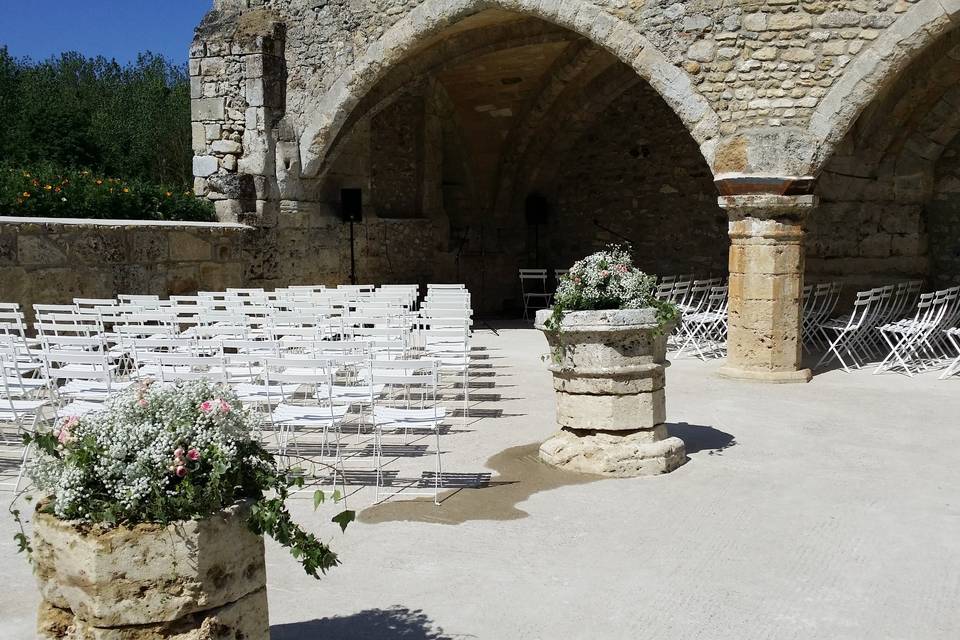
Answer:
x=635 y=173
x=943 y=220
x=862 y=235
x=55 y=260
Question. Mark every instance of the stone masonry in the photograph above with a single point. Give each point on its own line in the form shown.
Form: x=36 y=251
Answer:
x=449 y=114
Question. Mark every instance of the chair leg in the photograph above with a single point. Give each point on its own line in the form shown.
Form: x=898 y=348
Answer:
x=438 y=480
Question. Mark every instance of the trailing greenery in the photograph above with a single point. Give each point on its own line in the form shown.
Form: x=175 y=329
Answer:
x=162 y=454
x=45 y=191
x=127 y=121
x=608 y=280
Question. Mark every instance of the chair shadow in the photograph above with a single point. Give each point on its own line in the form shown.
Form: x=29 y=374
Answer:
x=395 y=623
x=698 y=437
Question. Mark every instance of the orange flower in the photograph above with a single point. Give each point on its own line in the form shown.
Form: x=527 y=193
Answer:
x=168 y=194
x=125 y=190
x=47 y=187
x=99 y=181
x=56 y=189
x=26 y=194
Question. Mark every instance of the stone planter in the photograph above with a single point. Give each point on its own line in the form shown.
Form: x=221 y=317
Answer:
x=609 y=378
x=191 y=580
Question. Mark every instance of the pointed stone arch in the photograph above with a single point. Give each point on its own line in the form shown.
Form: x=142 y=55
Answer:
x=618 y=36
x=874 y=69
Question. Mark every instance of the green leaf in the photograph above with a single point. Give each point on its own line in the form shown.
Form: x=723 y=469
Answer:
x=344 y=518
x=318 y=499
x=337 y=496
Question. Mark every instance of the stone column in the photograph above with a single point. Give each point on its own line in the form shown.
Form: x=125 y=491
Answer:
x=766 y=286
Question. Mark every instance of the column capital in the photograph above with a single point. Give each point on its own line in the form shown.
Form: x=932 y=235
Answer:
x=768 y=206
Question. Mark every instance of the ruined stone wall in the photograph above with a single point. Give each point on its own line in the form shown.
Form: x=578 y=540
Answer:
x=862 y=235
x=53 y=261
x=942 y=215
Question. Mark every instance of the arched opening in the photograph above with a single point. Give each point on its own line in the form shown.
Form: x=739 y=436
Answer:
x=890 y=195
x=452 y=144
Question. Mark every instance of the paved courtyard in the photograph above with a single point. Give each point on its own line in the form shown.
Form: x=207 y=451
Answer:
x=827 y=510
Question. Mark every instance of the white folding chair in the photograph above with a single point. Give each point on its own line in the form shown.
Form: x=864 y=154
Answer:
x=409 y=404
x=18 y=415
x=533 y=288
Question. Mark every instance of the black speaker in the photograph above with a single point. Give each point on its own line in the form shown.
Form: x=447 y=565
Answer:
x=351 y=205
x=537 y=209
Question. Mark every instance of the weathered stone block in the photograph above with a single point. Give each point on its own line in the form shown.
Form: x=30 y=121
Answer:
x=638 y=454
x=147 y=574
x=187 y=246
x=204 y=166
x=609 y=412
x=207 y=109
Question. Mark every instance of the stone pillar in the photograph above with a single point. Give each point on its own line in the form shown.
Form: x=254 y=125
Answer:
x=766 y=286
x=238 y=94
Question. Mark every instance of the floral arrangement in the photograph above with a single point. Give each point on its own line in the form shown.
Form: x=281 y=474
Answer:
x=167 y=453
x=45 y=191
x=607 y=280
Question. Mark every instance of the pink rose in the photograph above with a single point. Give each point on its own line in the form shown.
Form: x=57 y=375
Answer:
x=178 y=452
x=604 y=273
x=193 y=455
x=206 y=406
x=64 y=436
x=224 y=406
x=142 y=402
x=181 y=471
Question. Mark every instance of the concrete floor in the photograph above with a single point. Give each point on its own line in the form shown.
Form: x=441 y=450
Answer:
x=827 y=510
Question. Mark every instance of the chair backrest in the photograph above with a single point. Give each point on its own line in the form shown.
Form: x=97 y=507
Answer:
x=77 y=365
x=174 y=367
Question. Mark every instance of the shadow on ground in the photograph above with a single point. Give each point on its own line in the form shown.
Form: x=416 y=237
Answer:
x=698 y=437
x=395 y=623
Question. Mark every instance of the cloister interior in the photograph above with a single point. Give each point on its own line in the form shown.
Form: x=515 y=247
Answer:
x=519 y=143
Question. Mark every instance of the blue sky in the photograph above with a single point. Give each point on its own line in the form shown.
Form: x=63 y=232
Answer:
x=113 y=28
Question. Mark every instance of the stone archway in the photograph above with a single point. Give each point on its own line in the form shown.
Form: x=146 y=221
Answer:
x=504 y=105
x=888 y=197
x=619 y=37
x=874 y=69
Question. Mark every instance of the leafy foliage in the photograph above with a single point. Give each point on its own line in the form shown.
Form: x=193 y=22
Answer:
x=45 y=191
x=129 y=121
x=607 y=280
x=163 y=454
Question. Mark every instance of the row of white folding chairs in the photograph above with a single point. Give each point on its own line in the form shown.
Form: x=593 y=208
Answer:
x=268 y=376
x=703 y=323
x=920 y=342
x=854 y=339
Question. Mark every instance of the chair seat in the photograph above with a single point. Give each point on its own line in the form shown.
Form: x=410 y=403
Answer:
x=308 y=415
x=10 y=409
x=252 y=392
x=80 y=408
x=409 y=417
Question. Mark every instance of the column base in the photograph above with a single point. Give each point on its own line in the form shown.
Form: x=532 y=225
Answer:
x=769 y=377
x=615 y=456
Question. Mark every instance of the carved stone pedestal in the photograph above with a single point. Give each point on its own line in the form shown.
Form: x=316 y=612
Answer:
x=609 y=378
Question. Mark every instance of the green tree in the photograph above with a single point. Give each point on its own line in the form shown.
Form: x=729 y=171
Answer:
x=132 y=121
